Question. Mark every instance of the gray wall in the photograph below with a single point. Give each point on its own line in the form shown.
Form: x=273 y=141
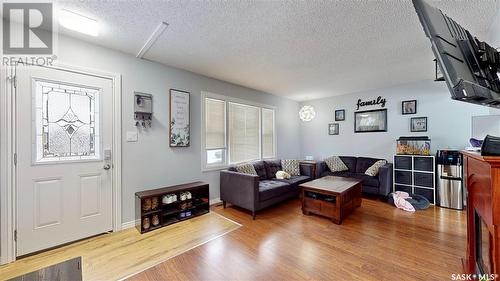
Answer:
x=150 y=162
x=449 y=122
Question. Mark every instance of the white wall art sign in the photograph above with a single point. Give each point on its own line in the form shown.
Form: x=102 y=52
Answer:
x=179 y=118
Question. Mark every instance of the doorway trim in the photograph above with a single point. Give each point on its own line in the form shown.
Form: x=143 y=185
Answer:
x=8 y=187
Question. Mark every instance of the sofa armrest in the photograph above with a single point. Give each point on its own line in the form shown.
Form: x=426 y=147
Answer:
x=239 y=189
x=307 y=169
x=321 y=167
x=385 y=179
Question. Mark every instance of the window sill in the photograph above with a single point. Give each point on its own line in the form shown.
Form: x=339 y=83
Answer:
x=214 y=169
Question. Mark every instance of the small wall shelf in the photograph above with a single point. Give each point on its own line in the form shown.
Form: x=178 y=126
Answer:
x=152 y=213
x=415 y=174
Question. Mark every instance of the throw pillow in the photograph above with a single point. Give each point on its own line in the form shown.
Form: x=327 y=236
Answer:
x=246 y=169
x=335 y=164
x=373 y=170
x=282 y=175
x=291 y=166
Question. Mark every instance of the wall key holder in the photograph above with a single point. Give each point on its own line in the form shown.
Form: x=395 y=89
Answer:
x=143 y=109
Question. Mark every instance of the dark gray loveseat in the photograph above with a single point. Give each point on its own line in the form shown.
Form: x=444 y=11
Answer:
x=256 y=192
x=379 y=185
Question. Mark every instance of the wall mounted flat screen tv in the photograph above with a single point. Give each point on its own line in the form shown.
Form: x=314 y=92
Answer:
x=470 y=66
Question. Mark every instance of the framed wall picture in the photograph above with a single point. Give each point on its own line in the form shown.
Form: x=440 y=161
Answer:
x=370 y=121
x=418 y=124
x=340 y=115
x=179 y=118
x=333 y=129
x=409 y=107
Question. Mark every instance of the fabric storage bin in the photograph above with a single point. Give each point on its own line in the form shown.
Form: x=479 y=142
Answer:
x=427 y=193
x=403 y=177
x=423 y=164
x=402 y=162
x=404 y=188
x=424 y=179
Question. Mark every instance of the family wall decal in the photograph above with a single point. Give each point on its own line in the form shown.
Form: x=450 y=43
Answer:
x=379 y=100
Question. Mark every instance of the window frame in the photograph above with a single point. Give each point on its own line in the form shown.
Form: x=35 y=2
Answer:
x=227 y=150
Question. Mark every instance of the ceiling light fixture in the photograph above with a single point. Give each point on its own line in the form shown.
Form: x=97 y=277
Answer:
x=152 y=39
x=307 y=113
x=77 y=22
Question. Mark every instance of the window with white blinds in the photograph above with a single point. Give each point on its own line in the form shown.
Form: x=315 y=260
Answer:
x=267 y=133
x=215 y=131
x=244 y=131
x=235 y=131
x=215 y=115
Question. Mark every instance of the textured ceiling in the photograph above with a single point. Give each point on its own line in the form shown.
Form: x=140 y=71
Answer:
x=299 y=49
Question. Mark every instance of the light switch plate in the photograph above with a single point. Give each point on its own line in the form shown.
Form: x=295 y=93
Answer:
x=132 y=136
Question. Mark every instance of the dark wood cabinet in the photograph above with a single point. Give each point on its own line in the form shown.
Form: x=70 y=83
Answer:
x=314 y=166
x=482 y=180
x=164 y=206
x=332 y=197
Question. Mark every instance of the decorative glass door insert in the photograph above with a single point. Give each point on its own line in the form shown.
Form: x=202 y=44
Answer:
x=67 y=122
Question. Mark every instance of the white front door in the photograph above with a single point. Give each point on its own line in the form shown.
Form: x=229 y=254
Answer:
x=64 y=144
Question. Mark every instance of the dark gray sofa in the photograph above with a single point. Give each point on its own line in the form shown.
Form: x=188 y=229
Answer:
x=256 y=192
x=378 y=185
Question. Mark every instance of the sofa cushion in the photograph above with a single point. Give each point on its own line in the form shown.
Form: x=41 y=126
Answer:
x=272 y=188
x=350 y=162
x=344 y=174
x=260 y=168
x=364 y=163
x=367 y=180
x=246 y=169
x=291 y=166
x=295 y=180
x=272 y=166
x=326 y=173
x=335 y=164
x=373 y=169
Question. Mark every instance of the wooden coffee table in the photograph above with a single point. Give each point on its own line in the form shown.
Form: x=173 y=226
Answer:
x=332 y=197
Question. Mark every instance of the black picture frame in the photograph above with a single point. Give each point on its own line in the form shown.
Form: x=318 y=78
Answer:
x=361 y=117
x=409 y=107
x=418 y=124
x=340 y=115
x=333 y=129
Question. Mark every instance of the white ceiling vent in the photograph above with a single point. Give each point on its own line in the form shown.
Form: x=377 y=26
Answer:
x=152 y=39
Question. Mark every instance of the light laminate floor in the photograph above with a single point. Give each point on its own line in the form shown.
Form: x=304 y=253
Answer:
x=117 y=255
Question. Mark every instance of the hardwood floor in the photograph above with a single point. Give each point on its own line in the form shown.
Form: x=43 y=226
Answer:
x=117 y=255
x=376 y=242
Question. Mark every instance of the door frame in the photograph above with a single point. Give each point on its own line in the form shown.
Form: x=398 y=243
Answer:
x=8 y=135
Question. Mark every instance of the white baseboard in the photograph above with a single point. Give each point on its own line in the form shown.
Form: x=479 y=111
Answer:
x=133 y=223
x=215 y=201
x=129 y=224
